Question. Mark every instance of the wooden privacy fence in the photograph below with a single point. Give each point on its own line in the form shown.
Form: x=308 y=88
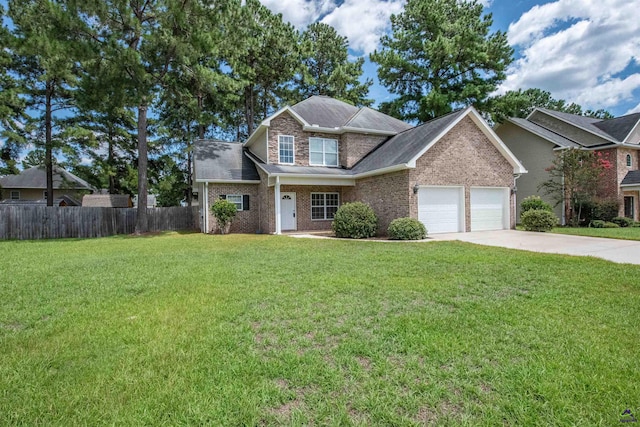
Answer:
x=42 y=222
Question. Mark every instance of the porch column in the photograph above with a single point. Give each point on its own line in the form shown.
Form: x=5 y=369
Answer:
x=206 y=208
x=278 y=214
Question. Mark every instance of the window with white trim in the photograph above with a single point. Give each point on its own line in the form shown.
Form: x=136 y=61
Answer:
x=236 y=199
x=323 y=152
x=324 y=205
x=15 y=195
x=286 y=149
x=629 y=164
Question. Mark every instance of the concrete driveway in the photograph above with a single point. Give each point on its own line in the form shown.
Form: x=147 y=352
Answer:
x=621 y=251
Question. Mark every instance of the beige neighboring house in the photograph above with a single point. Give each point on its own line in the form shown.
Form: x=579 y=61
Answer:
x=107 y=201
x=536 y=139
x=453 y=173
x=30 y=185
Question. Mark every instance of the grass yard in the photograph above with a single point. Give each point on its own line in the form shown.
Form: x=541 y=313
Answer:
x=626 y=233
x=191 y=329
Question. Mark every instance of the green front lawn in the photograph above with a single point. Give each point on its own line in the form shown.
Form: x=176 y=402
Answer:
x=626 y=233
x=264 y=330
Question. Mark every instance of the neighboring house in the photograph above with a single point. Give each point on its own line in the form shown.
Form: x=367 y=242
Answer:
x=59 y=202
x=536 y=139
x=452 y=173
x=31 y=185
x=107 y=201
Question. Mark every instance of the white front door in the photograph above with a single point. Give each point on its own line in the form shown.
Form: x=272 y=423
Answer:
x=288 y=211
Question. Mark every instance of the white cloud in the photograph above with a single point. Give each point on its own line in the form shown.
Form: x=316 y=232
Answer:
x=363 y=26
x=635 y=109
x=300 y=12
x=579 y=50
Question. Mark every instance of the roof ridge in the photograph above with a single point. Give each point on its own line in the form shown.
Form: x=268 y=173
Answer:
x=353 y=116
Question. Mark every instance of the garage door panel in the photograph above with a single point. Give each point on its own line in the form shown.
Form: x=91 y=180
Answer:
x=488 y=208
x=439 y=208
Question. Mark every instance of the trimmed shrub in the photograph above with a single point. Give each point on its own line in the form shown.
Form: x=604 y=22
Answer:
x=605 y=210
x=534 y=202
x=636 y=224
x=406 y=229
x=538 y=220
x=355 y=221
x=224 y=212
x=596 y=223
x=608 y=224
x=622 y=221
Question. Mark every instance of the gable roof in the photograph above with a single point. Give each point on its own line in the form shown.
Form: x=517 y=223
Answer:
x=610 y=131
x=325 y=114
x=36 y=178
x=218 y=161
x=632 y=178
x=405 y=148
x=107 y=201
x=552 y=137
x=64 y=200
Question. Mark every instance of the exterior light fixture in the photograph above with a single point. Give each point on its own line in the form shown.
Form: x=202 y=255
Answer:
x=416 y=188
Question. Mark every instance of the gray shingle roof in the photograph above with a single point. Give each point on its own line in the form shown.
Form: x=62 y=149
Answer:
x=36 y=177
x=632 y=178
x=587 y=123
x=60 y=201
x=403 y=147
x=332 y=113
x=544 y=133
x=619 y=127
x=222 y=161
x=107 y=200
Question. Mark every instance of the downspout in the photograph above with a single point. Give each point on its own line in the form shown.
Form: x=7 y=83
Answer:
x=515 y=196
x=206 y=208
x=563 y=220
x=278 y=215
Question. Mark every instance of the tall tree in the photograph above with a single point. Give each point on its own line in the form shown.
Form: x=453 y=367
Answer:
x=326 y=69
x=440 y=55
x=47 y=66
x=142 y=39
x=521 y=103
x=264 y=58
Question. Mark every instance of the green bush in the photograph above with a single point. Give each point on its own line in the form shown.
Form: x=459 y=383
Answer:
x=355 y=221
x=605 y=210
x=622 y=221
x=596 y=223
x=538 y=220
x=224 y=212
x=406 y=229
x=636 y=224
x=608 y=224
x=534 y=202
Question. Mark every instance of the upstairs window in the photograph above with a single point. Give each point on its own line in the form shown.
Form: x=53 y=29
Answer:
x=629 y=160
x=323 y=152
x=285 y=149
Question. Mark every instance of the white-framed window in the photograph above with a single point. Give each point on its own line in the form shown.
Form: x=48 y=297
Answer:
x=629 y=164
x=236 y=199
x=286 y=149
x=324 y=205
x=323 y=152
x=15 y=195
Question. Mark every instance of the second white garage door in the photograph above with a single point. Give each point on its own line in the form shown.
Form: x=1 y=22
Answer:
x=441 y=209
x=489 y=209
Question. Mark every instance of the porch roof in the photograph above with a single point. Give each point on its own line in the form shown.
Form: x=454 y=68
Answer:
x=632 y=179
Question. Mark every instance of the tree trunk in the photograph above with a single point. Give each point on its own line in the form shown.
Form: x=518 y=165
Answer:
x=142 y=225
x=200 y=124
x=112 y=177
x=249 y=108
x=48 y=149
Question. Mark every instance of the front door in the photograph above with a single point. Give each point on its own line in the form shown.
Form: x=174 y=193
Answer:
x=628 y=206
x=288 y=211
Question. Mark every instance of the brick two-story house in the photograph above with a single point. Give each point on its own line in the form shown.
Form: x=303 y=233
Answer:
x=536 y=139
x=452 y=173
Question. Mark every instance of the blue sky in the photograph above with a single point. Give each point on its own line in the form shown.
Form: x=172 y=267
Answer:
x=582 y=51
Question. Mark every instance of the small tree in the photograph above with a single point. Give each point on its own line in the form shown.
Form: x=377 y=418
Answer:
x=573 y=180
x=224 y=212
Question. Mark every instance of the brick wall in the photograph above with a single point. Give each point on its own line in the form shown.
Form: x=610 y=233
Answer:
x=463 y=157
x=303 y=205
x=267 y=205
x=246 y=221
x=355 y=146
x=388 y=195
x=285 y=124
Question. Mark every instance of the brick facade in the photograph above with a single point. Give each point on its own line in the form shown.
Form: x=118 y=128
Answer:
x=355 y=146
x=463 y=157
x=609 y=184
x=246 y=221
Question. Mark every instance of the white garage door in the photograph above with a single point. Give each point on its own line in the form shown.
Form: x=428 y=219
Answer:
x=440 y=209
x=489 y=209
